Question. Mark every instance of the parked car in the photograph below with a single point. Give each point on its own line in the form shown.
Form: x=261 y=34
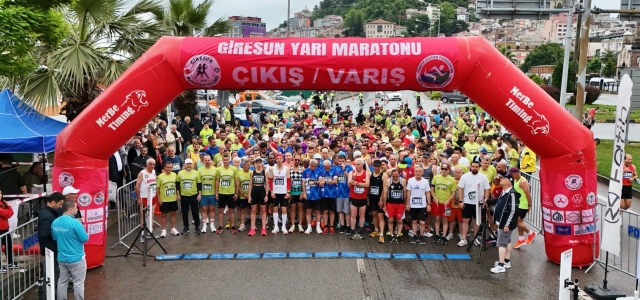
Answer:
x=293 y=101
x=257 y=106
x=203 y=108
x=395 y=96
x=455 y=96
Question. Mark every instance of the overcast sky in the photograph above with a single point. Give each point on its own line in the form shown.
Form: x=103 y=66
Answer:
x=274 y=12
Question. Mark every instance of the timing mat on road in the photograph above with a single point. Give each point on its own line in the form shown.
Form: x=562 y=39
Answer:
x=313 y=255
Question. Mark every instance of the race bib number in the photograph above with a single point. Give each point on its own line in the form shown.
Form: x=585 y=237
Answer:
x=472 y=196
x=416 y=200
x=447 y=212
x=207 y=187
x=342 y=179
x=278 y=181
x=296 y=183
x=396 y=194
x=170 y=192
x=258 y=179
x=374 y=190
x=225 y=183
x=176 y=167
x=187 y=185
x=358 y=190
x=312 y=183
x=152 y=189
x=245 y=185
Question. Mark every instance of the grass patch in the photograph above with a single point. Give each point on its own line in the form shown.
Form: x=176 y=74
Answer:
x=604 y=153
x=607 y=112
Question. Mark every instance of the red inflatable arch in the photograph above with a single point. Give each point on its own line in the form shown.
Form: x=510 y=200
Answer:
x=470 y=65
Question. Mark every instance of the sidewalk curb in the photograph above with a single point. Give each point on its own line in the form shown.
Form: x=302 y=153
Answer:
x=637 y=121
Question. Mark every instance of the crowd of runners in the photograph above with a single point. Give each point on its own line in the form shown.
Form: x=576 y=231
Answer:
x=386 y=174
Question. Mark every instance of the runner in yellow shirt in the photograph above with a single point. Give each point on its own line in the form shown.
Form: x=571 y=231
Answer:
x=208 y=200
x=166 y=194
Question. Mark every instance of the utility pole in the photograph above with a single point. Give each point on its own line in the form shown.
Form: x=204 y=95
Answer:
x=288 y=18
x=567 y=47
x=582 y=63
x=576 y=49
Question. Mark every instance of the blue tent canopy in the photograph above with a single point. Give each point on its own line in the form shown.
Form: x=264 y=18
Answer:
x=23 y=129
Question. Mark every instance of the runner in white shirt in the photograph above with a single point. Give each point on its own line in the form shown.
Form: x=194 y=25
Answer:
x=146 y=186
x=475 y=187
x=280 y=184
x=419 y=202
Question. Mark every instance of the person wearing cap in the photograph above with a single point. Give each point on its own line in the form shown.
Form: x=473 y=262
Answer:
x=258 y=190
x=474 y=188
x=279 y=186
x=166 y=194
x=521 y=186
x=376 y=186
x=505 y=216
x=442 y=192
x=483 y=152
x=208 y=199
x=226 y=192
x=408 y=170
x=189 y=185
x=145 y=183
x=71 y=193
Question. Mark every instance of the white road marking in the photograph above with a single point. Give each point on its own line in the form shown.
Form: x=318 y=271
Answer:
x=360 y=263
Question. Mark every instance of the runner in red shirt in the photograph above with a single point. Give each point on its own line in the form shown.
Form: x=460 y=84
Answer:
x=629 y=175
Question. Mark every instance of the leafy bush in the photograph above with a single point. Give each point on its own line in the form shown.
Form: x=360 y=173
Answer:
x=436 y=95
x=592 y=95
x=553 y=91
x=537 y=78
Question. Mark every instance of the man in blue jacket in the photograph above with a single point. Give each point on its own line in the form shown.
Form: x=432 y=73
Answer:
x=70 y=236
x=46 y=216
x=506 y=219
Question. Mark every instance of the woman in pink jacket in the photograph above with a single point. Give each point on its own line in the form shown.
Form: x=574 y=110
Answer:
x=5 y=213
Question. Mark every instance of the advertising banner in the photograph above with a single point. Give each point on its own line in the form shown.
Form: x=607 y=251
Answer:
x=254 y=31
x=612 y=222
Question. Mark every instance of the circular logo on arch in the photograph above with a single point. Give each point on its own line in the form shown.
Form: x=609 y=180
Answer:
x=434 y=72
x=98 y=198
x=573 y=182
x=202 y=70
x=65 y=179
x=84 y=199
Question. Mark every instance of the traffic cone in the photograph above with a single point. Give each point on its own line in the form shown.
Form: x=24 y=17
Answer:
x=157 y=210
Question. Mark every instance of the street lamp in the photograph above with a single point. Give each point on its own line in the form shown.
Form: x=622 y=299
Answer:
x=288 y=18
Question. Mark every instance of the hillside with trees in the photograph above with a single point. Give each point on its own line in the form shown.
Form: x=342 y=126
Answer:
x=358 y=12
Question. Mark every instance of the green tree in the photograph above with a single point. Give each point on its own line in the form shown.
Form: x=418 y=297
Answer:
x=26 y=26
x=450 y=27
x=102 y=42
x=609 y=59
x=594 y=65
x=354 y=23
x=447 y=11
x=556 y=76
x=537 y=79
x=508 y=54
x=418 y=25
x=545 y=54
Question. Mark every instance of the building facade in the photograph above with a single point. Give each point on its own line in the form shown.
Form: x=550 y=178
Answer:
x=247 y=27
x=380 y=29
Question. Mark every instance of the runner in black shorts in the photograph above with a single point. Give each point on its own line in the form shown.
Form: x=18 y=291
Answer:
x=258 y=196
x=375 y=192
x=296 y=203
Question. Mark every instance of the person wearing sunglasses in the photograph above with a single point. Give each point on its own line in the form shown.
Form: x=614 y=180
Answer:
x=443 y=187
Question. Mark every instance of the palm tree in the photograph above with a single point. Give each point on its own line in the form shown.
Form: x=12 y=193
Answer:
x=508 y=54
x=103 y=41
x=185 y=18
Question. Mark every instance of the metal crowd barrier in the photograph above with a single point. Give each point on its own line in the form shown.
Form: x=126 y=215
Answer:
x=26 y=253
x=627 y=261
x=534 y=217
x=128 y=212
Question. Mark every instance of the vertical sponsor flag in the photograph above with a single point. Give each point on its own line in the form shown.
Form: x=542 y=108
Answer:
x=612 y=223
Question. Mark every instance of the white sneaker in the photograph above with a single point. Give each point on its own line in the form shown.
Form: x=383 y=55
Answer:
x=163 y=233
x=462 y=243
x=174 y=231
x=507 y=265
x=300 y=229
x=284 y=230
x=427 y=234
x=242 y=227
x=205 y=221
x=498 y=269
x=212 y=227
x=450 y=236
x=410 y=233
x=15 y=236
x=293 y=228
x=275 y=230
x=309 y=230
x=204 y=228
x=318 y=229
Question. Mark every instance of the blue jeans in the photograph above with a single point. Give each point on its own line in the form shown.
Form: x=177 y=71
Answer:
x=77 y=271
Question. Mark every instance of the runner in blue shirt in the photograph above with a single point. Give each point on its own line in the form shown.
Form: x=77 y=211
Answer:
x=329 y=188
x=342 y=194
x=311 y=193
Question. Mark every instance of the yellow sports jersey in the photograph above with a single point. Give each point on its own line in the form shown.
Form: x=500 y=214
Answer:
x=205 y=134
x=490 y=172
x=472 y=149
x=243 y=180
x=208 y=179
x=188 y=182
x=167 y=187
x=443 y=187
x=227 y=178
